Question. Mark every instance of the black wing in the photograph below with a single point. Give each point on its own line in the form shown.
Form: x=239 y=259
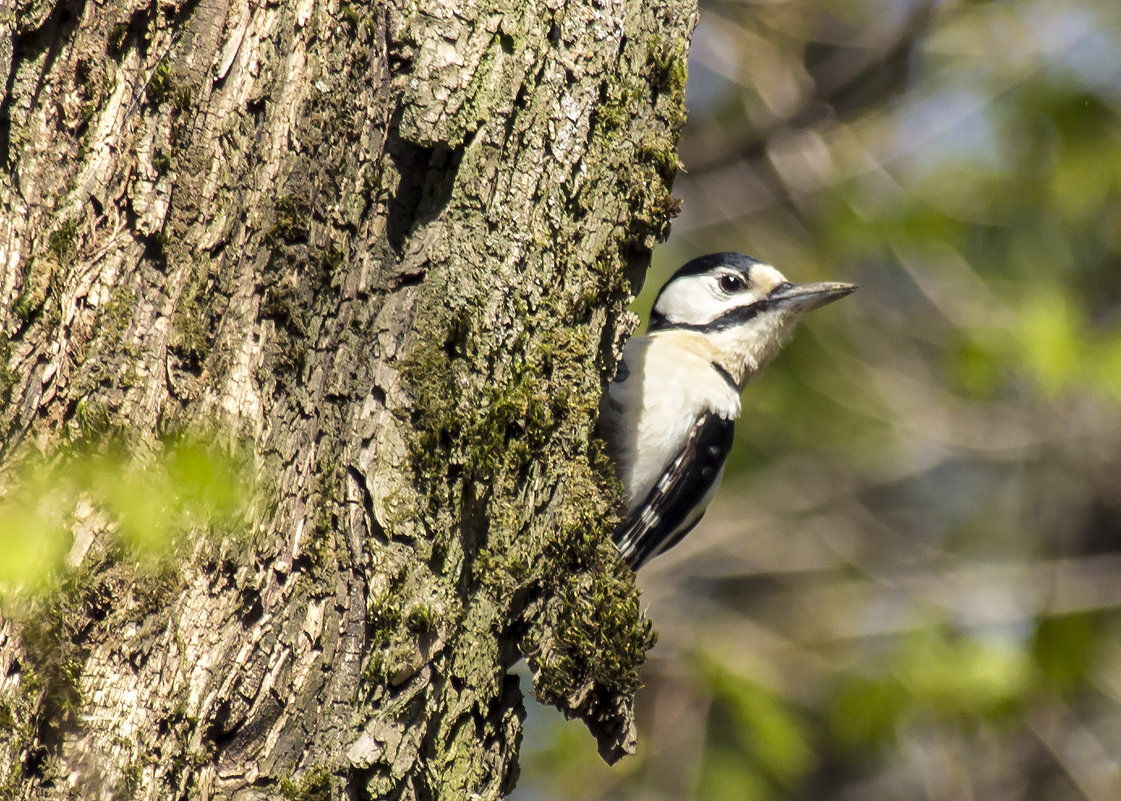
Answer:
x=674 y=505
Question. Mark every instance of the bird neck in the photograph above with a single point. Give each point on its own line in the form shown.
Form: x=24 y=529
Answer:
x=744 y=350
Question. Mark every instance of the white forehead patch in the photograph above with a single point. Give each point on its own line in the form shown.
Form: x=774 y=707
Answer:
x=766 y=277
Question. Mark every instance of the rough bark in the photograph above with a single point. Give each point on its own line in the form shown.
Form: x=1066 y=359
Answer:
x=385 y=249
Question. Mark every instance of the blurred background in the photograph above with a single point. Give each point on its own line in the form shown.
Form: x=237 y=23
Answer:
x=909 y=586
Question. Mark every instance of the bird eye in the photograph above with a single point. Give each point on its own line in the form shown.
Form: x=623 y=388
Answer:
x=732 y=283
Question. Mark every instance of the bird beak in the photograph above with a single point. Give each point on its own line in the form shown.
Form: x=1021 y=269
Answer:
x=803 y=297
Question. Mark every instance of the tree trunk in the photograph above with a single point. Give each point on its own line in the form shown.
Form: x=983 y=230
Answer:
x=385 y=250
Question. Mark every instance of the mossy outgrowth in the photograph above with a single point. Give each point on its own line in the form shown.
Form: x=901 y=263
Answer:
x=118 y=35
x=291 y=221
x=162 y=161
x=61 y=240
x=117 y=316
x=97 y=360
x=133 y=775
x=164 y=87
x=422 y=618
x=667 y=65
x=352 y=15
x=595 y=618
x=94 y=87
x=95 y=423
x=480 y=97
x=312 y=785
x=294 y=282
x=157 y=243
x=8 y=378
x=37 y=283
x=558 y=579
x=190 y=337
x=159 y=83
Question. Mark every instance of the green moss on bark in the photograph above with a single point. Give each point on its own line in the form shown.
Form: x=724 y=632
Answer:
x=311 y=785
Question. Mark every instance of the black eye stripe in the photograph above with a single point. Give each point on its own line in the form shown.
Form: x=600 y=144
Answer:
x=730 y=318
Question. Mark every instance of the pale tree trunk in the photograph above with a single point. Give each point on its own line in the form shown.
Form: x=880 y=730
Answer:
x=386 y=251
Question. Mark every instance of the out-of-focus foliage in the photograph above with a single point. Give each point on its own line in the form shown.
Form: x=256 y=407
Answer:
x=910 y=586
x=51 y=508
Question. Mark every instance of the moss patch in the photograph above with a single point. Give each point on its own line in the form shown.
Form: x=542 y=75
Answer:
x=39 y=280
x=313 y=785
x=163 y=87
x=190 y=336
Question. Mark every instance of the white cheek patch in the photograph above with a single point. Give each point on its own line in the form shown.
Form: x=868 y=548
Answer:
x=690 y=301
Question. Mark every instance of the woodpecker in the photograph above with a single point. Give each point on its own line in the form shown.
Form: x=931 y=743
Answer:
x=669 y=413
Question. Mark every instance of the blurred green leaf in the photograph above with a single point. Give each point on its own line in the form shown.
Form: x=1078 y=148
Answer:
x=866 y=712
x=32 y=545
x=1063 y=648
x=773 y=742
x=961 y=676
x=727 y=776
x=1053 y=346
x=144 y=501
x=977 y=371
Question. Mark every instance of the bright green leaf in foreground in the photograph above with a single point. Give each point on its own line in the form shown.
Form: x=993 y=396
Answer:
x=143 y=501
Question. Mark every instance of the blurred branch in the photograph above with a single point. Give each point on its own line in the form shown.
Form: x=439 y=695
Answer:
x=842 y=73
x=1082 y=756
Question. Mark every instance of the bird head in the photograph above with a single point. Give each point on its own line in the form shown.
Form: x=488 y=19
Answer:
x=746 y=308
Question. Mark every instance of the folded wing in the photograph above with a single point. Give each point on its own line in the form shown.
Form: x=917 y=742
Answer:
x=671 y=509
